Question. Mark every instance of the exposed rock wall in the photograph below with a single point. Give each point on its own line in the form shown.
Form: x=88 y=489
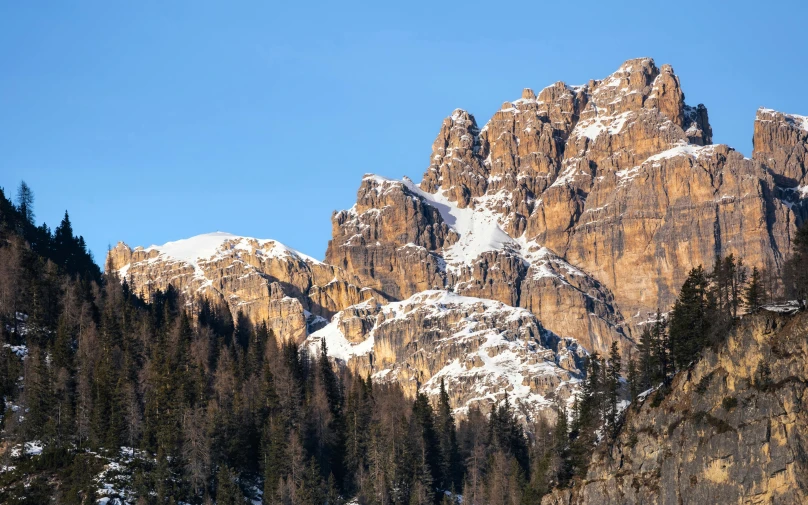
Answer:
x=618 y=178
x=482 y=349
x=721 y=436
x=264 y=279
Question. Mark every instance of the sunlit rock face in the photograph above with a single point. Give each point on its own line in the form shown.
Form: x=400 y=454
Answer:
x=263 y=279
x=481 y=349
x=553 y=230
x=585 y=204
x=696 y=447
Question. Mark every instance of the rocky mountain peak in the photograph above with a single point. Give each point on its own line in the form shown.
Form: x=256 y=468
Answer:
x=261 y=278
x=576 y=211
x=609 y=177
x=781 y=144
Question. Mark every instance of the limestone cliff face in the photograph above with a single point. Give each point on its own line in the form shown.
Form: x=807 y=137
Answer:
x=617 y=178
x=574 y=212
x=724 y=435
x=781 y=146
x=264 y=279
x=482 y=349
x=408 y=240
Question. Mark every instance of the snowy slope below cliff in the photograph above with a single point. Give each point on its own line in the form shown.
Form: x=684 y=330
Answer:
x=482 y=349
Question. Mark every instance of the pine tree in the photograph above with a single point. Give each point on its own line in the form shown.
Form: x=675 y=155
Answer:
x=690 y=319
x=562 y=446
x=426 y=457
x=25 y=202
x=647 y=368
x=447 y=435
x=227 y=490
x=754 y=295
x=64 y=245
x=795 y=274
x=662 y=349
x=613 y=386
x=243 y=334
x=40 y=400
x=633 y=379
x=275 y=456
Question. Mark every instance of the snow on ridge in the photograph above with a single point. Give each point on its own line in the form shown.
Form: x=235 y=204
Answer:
x=379 y=179
x=478 y=228
x=682 y=149
x=502 y=362
x=797 y=120
x=545 y=263
x=593 y=128
x=208 y=245
x=337 y=345
x=480 y=231
x=211 y=246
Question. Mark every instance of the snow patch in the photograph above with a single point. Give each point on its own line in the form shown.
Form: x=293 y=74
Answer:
x=683 y=149
x=593 y=128
x=478 y=228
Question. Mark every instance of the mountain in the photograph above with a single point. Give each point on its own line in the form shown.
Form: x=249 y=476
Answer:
x=489 y=335
x=482 y=349
x=263 y=279
x=733 y=428
x=617 y=177
x=586 y=206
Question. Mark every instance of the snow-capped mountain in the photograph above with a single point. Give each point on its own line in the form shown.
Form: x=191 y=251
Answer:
x=552 y=231
x=264 y=279
x=482 y=349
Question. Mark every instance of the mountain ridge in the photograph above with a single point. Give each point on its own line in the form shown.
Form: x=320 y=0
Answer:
x=584 y=205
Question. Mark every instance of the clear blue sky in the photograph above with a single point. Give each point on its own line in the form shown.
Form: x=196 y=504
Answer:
x=152 y=121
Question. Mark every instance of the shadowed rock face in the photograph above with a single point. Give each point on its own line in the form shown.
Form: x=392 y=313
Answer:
x=618 y=179
x=695 y=447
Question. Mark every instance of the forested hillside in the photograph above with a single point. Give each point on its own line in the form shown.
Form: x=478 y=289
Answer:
x=109 y=398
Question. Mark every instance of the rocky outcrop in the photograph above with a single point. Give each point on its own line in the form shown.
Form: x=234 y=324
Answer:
x=387 y=239
x=264 y=279
x=781 y=145
x=618 y=177
x=729 y=431
x=401 y=240
x=482 y=349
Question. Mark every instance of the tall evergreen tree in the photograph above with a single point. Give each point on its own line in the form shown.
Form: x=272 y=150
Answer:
x=613 y=386
x=690 y=319
x=754 y=296
x=647 y=367
x=451 y=469
x=795 y=274
x=25 y=202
